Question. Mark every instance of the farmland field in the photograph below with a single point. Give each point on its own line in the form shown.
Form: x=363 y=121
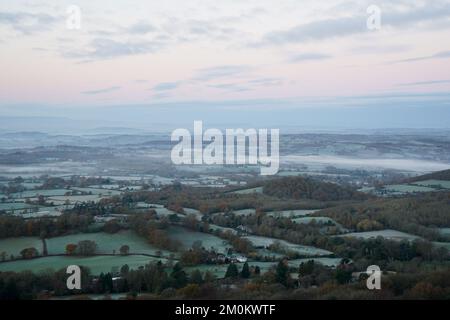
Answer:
x=300 y=249
x=44 y=192
x=98 y=191
x=387 y=234
x=405 y=188
x=16 y=206
x=188 y=237
x=249 y=191
x=106 y=242
x=291 y=213
x=13 y=246
x=244 y=212
x=331 y=262
x=445 y=184
x=96 y=264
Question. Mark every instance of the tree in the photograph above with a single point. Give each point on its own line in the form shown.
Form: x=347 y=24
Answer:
x=124 y=250
x=257 y=270
x=282 y=273
x=306 y=268
x=124 y=269
x=343 y=276
x=196 y=277
x=71 y=249
x=3 y=255
x=178 y=276
x=232 y=271
x=87 y=247
x=29 y=253
x=245 y=273
x=112 y=227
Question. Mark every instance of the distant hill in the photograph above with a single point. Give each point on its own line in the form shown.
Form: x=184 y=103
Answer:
x=307 y=188
x=438 y=175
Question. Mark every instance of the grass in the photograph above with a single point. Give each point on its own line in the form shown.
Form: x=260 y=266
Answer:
x=96 y=264
x=444 y=184
x=106 y=242
x=387 y=234
x=44 y=192
x=300 y=249
x=188 y=237
x=405 y=188
x=307 y=220
x=249 y=191
x=13 y=246
x=291 y=213
x=8 y=206
x=98 y=191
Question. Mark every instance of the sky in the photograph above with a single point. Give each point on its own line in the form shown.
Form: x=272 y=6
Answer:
x=199 y=57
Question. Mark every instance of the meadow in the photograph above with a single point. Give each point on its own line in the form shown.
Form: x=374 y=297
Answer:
x=387 y=234
x=265 y=242
x=96 y=264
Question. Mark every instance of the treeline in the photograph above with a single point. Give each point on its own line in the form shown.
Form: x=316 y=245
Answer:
x=11 y=226
x=418 y=215
x=307 y=188
x=157 y=281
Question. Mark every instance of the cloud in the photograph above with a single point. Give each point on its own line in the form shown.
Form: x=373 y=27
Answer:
x=233 y=87
x=439 y=55
x=308 y=57
x=422 y=83
x=101 y=91
x=27 y=23
x=166 y=86
x=141 y=27
x=103 y=48
x=218 y=72
x=266 y=82
x=356 y=24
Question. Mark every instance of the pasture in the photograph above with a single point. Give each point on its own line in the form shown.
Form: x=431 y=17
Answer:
x=387 y=234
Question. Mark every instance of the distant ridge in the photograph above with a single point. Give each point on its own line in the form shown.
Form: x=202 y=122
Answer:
x=438 y=175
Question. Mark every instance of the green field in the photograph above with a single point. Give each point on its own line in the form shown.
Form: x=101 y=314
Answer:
x=249 y=191
x=444 y=184
x=98 y=191
x=96 y=264
x=188 y=237
x=291 y=213
x=44 y=192
x=8 y=206
x=330 y=262
x=106 y=243
x=13 y=246
x=265 y=242
x=244 y=212
x=75 y=199
x=405 y=188
x=444 y=231
x=387 y=234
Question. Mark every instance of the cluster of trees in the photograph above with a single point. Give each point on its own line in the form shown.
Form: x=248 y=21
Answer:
x=83 y=248
x=307 y=188
x=11 y=226
x=154 y=231
x=73 y=181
